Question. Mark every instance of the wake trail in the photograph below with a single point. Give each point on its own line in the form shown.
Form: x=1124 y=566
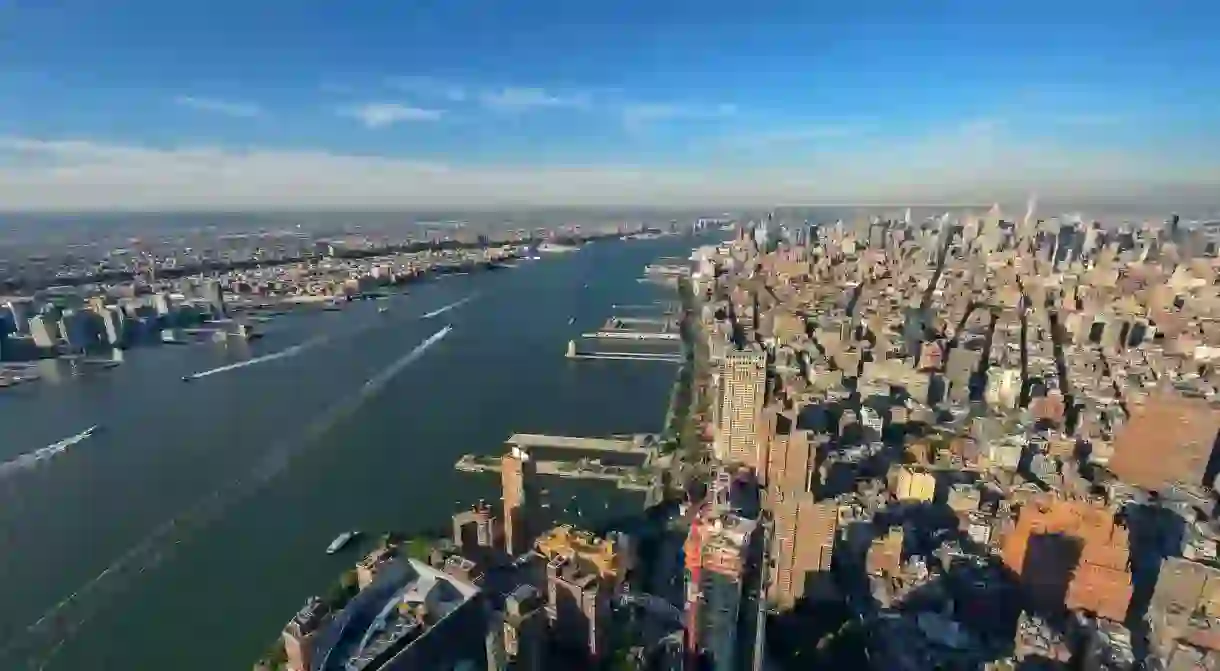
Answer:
x=446 y=308
x=31 y=459
x=282 y=354
x=39 y=641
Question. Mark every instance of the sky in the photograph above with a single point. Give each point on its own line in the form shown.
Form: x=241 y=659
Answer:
x=202 y=104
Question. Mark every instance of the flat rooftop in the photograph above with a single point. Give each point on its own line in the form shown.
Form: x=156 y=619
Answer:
x=639 y=443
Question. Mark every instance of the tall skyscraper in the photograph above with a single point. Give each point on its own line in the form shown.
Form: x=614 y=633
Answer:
x=723 y=557
x=19 y=311
x=45 y=331
x=802 y=544
x=518 y=475
x=742 y=381
x=214 y=294
x=476 y=533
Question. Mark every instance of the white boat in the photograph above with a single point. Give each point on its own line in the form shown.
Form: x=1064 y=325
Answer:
x=340 y=541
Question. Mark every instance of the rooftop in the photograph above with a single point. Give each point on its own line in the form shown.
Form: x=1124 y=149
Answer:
x=402 y=605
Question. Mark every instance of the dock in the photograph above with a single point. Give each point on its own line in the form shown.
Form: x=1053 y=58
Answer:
x=573 y=353
x=632 y=335
x=633 y=328
x=642 y=445
x=627 y=478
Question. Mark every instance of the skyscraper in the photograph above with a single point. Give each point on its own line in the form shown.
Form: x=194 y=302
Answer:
x=723 y=557
x=476 y=533
x=802 y=544
x=742 y=381
x=517 y=477
x=45 y=331
x=214 y=294
x=19 y=311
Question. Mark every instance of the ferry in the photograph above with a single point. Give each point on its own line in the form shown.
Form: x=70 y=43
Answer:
x=341 y=541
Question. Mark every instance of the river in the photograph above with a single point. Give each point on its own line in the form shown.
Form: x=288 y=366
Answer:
x=205 y=507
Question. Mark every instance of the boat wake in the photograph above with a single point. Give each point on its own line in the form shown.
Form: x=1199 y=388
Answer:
x=42 y=640
x=32 y=459
x=452 y=306
x=282 y=354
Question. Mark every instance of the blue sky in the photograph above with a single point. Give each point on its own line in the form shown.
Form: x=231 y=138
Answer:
x=141 y=103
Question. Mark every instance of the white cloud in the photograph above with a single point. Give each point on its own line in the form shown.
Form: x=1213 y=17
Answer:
x=380 y=115
x=517 y=98
x=781 y=137
x=973 y=162
x=430 y=87
x=635 y=115
x=216 y=106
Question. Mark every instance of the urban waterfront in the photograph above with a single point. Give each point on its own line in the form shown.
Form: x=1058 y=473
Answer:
x=241 y=557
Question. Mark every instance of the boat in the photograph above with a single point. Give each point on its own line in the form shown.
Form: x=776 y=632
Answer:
x=571 y=320
x=341 y=541
x=188 y=378
x=383 y=309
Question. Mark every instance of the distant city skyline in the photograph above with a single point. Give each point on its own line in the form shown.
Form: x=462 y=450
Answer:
x=214 y=106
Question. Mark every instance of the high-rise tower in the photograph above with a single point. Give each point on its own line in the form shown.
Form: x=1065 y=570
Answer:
x=517 y=476
x=743 y=381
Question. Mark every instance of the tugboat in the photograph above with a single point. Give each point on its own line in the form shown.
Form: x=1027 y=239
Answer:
x=340 y=541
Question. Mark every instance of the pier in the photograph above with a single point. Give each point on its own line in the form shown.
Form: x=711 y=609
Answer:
x=641 y=445
x=627 y=478
x=573 y=353
x=632 y=335
x=631 y=328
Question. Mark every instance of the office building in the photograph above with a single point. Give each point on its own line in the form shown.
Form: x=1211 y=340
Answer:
x=518 y=476
x=214 y=294
x=743 y=380
x=45 y=331
x=578 y=608
x=477 y=533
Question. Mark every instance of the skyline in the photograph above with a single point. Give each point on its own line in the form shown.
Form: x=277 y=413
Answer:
x=296 y=105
